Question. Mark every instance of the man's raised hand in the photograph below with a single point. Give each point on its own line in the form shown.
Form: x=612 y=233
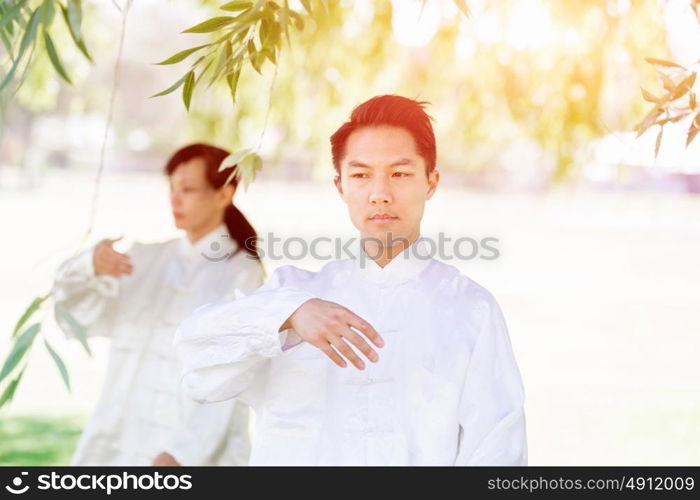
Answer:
x=331 y=328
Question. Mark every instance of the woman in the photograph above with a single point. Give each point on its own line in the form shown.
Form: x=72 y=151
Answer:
x=138 y=298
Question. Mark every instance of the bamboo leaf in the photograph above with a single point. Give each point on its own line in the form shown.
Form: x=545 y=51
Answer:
x=251 y=170
x=683 y=87
x=213 y=24
x=669 y=84
x=10 y=74
x=247 y=169
x=662 y=62
x=60 y=364
x=649 y=120
x=256 y=60
x=53 y=56
x=232 y=80
x=297 y=20
x=77 y=37
x=694 y=129
x=19 y=349
x=170 y=89
x=270 y=54
x=181 y=55
x=236 y=6
x=10 y=16
x=78 y=330
x=187 y=89
x=47 y=13
x=30 y=33
x=264 y=30
x=649 y=97
x=658 y=143
x=27 y=39
x=233 y=159
x=284 y=18
x=251 y=48
x=204 y=73
x=33 y=307
x=462 y=6
x=672 y=119
x=74 y=17
x=221 y=61
x=7 y=44
x=10 y=390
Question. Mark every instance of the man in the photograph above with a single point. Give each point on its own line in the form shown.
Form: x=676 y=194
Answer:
x=441 y=386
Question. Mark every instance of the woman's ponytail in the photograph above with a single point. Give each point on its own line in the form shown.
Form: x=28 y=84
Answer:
x=241 y=231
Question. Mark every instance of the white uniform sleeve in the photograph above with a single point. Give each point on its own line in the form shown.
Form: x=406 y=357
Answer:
x=223 y=347
x=90 y=299
x=491 y=408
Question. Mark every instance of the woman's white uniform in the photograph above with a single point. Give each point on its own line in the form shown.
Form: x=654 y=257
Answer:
x=141 y=411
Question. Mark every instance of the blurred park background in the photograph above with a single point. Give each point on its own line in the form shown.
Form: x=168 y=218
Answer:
x=535 y=104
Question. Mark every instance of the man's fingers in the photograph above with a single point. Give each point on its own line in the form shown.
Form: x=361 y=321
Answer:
x=344 y=349
x=361 y=344
x=330 y=352
x=363 y=326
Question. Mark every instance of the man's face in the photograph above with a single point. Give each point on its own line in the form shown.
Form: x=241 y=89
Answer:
x=383 y=181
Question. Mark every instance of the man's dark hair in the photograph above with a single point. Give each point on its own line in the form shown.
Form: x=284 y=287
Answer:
x=394 y=111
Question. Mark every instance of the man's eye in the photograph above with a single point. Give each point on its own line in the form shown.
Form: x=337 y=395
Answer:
x=402 y=174
x=359 y=176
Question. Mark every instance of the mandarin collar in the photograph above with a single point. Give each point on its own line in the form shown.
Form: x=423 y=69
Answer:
x=215 y=246
x=404 y=267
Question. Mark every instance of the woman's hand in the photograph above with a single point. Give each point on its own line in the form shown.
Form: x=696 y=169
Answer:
x=106 y=260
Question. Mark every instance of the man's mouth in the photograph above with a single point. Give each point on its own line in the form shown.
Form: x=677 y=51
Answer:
x=382 y=218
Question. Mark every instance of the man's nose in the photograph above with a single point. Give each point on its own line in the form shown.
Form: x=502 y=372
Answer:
x=380 y=193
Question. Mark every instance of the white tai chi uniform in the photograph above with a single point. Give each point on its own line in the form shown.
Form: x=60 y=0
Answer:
x=142 y=411
x=446 y=390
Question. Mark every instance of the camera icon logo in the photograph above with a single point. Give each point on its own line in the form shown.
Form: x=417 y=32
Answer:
x=16 y=487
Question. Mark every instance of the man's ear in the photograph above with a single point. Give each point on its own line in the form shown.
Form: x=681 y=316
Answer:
x=433 y=180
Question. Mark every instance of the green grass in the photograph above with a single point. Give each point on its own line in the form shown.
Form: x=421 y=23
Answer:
x=36 y=440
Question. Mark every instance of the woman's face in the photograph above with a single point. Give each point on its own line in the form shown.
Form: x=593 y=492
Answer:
x=195 y=204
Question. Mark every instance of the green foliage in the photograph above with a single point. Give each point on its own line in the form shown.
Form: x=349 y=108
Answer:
x=19 y=349
x=20 y=21
x=16 y=362
x=59 y=364
x=676 y=103
x=33 y=307
x=76 y=328
x=247 y=164
x=38 y=440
